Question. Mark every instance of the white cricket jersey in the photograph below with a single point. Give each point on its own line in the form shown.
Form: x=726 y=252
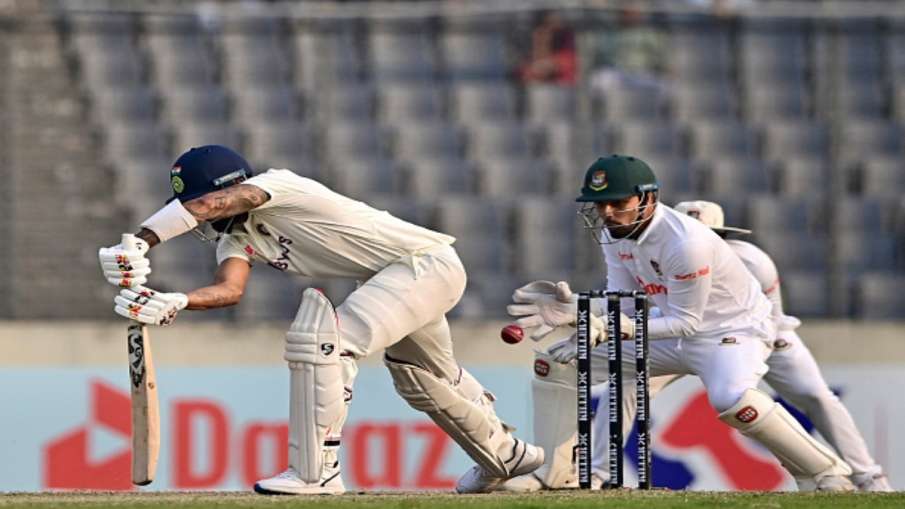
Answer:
x=702 y=288
x=764 y=270
x=307 y=229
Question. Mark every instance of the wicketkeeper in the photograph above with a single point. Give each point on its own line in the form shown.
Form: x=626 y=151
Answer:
x=794 y=372
x=411 y=277
x=714 y=322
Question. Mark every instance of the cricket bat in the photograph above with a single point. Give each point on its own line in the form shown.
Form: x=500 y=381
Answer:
x=145 y=406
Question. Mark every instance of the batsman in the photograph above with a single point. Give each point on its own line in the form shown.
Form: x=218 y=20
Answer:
x=713 y=322
x=411 y=277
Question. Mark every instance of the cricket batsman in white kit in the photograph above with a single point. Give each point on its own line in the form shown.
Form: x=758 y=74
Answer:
x=713 y=322
x=412 y=278
x=793 y=373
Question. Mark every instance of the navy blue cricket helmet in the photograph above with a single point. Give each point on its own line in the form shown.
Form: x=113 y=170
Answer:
x=204 y=169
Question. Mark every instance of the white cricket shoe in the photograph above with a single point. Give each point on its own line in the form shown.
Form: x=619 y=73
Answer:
x=525 y=459
x=289 y=483
x=835 y=483
x=529 y=483
x=872 y=482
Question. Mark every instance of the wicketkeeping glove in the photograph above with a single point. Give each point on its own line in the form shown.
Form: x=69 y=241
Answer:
x=565 y=350
x=543 y=306
x=125 y=266
x=149 y=306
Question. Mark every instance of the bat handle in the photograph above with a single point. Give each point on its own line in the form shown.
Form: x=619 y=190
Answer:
x=129 y=241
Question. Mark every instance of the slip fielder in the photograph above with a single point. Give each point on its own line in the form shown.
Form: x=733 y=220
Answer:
x=714 y=323
x=412 y=278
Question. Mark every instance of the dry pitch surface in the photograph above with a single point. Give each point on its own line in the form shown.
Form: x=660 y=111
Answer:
x=621 y=499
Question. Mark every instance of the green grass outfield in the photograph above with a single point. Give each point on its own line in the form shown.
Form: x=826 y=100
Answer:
x=620 y=499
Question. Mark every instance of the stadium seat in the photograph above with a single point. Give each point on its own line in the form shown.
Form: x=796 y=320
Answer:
x=856 y=252
x=632 y=104
x=127 y=141
x=138 y=104
x=435 y=139
x=550 y=103
x=793 y=138
x=794 y=176
x=265 y=104
x=434 y=177
x=481 y=228
x=288 y=145
x=650 y=139
x=513 y=178
x=474 y=54
x=210 y=104
x=183 y=59
x=327 y=54
x=692 y=103
x=354 y=139
x=501 y=140
x=798 y=215
x=882 y=177
x=806 y=293
x=545 y=232
x=766 y=103
x=794 y=251
x=360 y=177
x=188 y=135
x=714 y=140
x=345 y=103
x=874 y=291
x=727 y=175
x=482 y=102
x=402 y=52
x=406 y=103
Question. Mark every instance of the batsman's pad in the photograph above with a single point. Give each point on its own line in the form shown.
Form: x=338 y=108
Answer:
x=316 y=386
x=757 y=416
x=555 y=414
x=464 y=411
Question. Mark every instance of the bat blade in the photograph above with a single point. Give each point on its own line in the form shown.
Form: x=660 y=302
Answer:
x=145 y=407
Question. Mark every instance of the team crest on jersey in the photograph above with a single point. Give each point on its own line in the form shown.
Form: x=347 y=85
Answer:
x=598 y=181
x=178 y=184
x=656 y=267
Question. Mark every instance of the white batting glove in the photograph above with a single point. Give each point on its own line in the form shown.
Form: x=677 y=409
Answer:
x=543 y=306
x=149 y=306
x=125 y=266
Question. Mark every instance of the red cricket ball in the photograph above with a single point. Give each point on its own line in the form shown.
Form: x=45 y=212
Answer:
x=512 y=334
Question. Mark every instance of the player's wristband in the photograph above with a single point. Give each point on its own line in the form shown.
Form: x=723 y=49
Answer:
x=170 y=221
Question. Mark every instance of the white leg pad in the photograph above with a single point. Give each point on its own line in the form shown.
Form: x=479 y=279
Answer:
x=464 y=411
x=316 y=383
x=756 y=415
x=555 y=414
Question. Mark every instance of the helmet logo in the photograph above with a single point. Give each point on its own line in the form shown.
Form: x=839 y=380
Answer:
x=178 y=184
x=598 y=181
x=176 y=170
x=694 y=213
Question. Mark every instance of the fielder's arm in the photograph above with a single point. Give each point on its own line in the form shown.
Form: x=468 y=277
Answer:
x=229 y=285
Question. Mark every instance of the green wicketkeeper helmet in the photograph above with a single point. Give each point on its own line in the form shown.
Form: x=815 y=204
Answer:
x=617 y=177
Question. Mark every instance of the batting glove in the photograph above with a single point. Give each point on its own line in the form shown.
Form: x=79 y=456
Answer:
x=125 y=267
x=149 y=306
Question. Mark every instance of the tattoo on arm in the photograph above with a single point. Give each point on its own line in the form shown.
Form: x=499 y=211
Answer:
x=148 y=236
x=228 y=202
x=211 y=297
